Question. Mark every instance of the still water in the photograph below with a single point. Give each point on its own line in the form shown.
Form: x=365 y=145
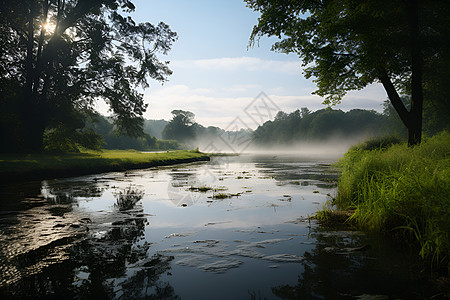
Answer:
x=232 y=228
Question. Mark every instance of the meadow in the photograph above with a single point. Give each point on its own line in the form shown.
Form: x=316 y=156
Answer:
x=15 y=167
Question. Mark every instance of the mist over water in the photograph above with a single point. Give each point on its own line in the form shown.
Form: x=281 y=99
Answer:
x=333 y=148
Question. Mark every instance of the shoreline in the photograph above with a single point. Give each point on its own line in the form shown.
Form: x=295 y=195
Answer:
x=17 y=168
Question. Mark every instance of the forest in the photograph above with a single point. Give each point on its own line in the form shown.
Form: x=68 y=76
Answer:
x=329 y=124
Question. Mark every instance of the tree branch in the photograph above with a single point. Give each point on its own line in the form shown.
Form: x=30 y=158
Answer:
x=394 y=97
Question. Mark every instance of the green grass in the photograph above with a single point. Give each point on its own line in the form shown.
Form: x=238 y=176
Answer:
x=401 y=190
x=40 y=166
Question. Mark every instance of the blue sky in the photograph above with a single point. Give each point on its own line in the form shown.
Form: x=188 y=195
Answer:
x=216 y=77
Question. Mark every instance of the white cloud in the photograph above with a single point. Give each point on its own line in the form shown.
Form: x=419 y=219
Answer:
x=212 y=108
x=245 y=63
x=242 y=88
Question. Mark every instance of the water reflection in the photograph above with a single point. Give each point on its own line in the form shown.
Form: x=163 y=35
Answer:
x=160 y=233
x=60 y=254
x=352 y=265
x=288 y=170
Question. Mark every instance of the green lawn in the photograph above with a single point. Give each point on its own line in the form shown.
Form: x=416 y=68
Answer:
x=41 y=166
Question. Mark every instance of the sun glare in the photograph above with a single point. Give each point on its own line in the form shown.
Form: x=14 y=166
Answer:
x=49 y=26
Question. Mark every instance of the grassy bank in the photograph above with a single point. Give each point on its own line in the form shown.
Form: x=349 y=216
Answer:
x=402 y=191
x=42 y=166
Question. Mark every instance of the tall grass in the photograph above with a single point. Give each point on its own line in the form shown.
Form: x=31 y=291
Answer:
x=402 y=190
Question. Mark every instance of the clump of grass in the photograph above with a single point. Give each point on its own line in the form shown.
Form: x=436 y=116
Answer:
x=127 y=199
x=224 y=195
x=382 y=142
x=201 y=189
x=221 y=196
x=403 y=190
x=333 y=218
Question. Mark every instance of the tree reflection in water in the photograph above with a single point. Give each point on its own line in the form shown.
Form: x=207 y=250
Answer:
x=111 y=261
x=348 y=265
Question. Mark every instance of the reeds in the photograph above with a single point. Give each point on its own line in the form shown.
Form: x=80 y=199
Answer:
x=402 y=190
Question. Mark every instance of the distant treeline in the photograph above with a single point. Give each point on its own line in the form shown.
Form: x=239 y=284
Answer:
x=182 y=131
x=105 y=128
x=304 y=125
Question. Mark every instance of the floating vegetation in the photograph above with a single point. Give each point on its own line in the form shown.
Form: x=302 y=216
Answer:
x=128 y=198
x=224 y=195
x=201 y=189
x=221 y=196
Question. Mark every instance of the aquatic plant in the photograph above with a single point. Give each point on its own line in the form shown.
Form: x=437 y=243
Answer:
x=202 y=189
x=127 y=199
x=221 y=196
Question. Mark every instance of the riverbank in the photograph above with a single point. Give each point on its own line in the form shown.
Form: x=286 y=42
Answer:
x=16 y=167
x=402 y=191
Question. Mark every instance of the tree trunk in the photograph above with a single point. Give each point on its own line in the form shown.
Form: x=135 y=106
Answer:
x=412 y=119
x=34 y=135
x=415 y=126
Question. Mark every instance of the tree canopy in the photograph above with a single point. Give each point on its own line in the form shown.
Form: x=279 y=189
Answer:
x=181 y=127
x=348 y=44
x=59 y=57
x=303 y=125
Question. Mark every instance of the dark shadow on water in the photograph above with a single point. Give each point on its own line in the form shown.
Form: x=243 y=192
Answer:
x=94 y=258
x=351 y=265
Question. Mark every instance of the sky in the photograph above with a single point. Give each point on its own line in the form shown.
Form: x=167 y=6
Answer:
x=219 y=78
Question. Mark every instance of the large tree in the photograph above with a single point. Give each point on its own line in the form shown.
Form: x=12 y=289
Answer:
x=59 y=57
x=347 y=44
x=181 y=127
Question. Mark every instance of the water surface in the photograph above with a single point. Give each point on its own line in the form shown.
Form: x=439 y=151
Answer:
x=232 y=228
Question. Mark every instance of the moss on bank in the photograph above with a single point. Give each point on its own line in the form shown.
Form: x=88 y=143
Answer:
x=14 y=167
x=400 y=190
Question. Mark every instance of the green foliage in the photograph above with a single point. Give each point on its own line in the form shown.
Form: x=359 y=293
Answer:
x=95 y=50
x=104 y=127
x=167 y=145
x=381 y=142
x=347 y=45
x=155 y=127
x=181 y=128
x=320 y=125
x=402 y=190
x=64 y=139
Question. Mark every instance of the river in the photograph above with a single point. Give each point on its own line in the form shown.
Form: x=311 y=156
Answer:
x=236 y=227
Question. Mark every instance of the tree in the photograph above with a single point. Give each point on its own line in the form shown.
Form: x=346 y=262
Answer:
x=348 y=44
x=181 y=128
x=58 y=57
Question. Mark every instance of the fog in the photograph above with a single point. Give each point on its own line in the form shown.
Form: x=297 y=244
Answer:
x=332 y=148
